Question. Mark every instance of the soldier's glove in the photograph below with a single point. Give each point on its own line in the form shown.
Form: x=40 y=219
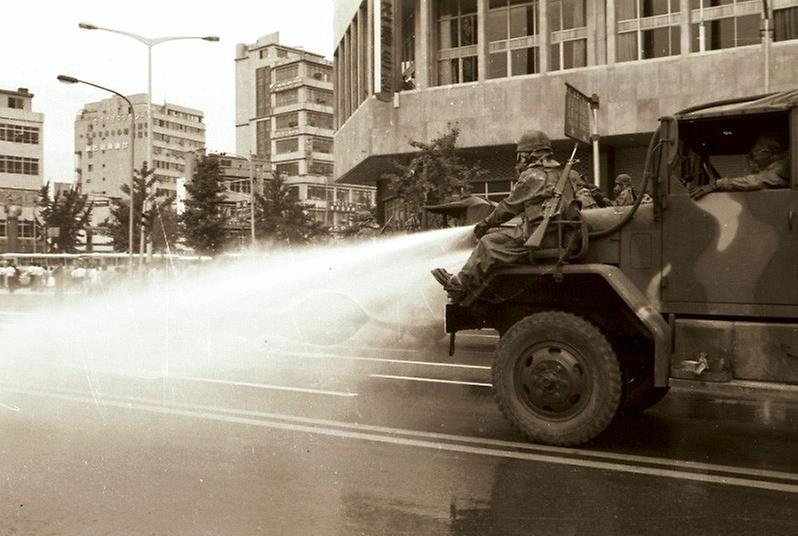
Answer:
x=701 y=191
x=481 y=229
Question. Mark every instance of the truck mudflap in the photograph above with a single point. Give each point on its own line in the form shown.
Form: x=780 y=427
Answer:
x=512 y=281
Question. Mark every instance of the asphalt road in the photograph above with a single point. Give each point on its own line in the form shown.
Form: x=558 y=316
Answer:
x=393 y=439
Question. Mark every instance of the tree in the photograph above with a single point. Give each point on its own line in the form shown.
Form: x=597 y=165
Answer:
x=204 y=220
x=118 y=222
x=69 y=211
x=435 y=174
x=280 y=217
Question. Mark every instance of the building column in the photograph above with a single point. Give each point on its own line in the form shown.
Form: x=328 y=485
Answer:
x=423 y=38
x=596 y=33
x=685 y=18
x=612 y=33
x=482 y=40
x=362 y=31
x=370 y=36
x=544 y=39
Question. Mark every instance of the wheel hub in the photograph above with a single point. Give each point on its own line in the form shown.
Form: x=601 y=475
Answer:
x=552 y=381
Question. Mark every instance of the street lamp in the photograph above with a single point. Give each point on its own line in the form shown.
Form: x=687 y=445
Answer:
x=72 y=80
x=149 y=42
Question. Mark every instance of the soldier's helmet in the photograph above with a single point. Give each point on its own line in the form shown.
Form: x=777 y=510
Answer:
x=362 y=216
x=533 y=141
x=623 y=179
x=771 y=144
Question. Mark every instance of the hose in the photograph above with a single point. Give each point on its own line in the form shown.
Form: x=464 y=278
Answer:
x=654 y=145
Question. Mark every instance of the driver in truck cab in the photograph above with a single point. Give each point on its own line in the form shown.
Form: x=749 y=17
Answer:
x=769 y=165
x=539 y=174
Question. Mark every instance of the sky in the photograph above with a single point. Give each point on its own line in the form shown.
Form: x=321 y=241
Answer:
x=41 y=40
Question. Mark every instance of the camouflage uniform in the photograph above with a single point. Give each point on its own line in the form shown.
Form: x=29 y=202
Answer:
x=775 y=175
x=506 y=247
x=770 y=168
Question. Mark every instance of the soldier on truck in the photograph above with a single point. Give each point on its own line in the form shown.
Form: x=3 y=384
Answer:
x=539 y=173
x=653 y=293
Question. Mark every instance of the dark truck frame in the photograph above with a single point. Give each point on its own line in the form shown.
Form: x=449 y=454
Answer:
x=703 y=290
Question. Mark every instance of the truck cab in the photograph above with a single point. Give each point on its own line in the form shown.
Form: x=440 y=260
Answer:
x=701 y=289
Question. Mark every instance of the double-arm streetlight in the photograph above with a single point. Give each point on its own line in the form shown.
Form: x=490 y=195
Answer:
x=72 y=80
x=149 y=42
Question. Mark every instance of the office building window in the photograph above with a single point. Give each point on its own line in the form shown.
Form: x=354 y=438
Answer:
x=457 y=40
x=361 y=197
x=319 y=96
x=785 y=24
x=321 y=145
x=736 y=25
x=512 y=29
x=287 y=72
x=19 y=165
x=318 y=72
x=286 y=120
x=288 y=145
x=568 y=27
x=19 y=134
x=320 y=120
x=318 y=193
x=263 y=96
x=284 y=98
x=16 y=102
x=647 y=29
x=320 y=168
x=287 y=169
x=263 y=139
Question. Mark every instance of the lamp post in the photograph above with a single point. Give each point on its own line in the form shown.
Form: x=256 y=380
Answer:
x=72 y=80
x=149 y=43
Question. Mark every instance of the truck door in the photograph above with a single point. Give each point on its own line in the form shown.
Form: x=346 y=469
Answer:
x=730 y=248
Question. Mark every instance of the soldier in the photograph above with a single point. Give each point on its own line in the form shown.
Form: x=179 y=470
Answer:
x=365 y=224
x=589 y=195
x=769 y=167
x=624 y=193
x=538 y=176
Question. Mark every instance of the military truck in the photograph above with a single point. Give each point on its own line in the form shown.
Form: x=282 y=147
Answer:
x=627 y=298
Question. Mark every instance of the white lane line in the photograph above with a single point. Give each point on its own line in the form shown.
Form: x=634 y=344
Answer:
x=266 y=386
x=157 y=375
x=429 y=380
x=317 y=355
x=438 y=446
x=438 y=436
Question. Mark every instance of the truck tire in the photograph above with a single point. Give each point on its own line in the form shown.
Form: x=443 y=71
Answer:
x=556 y=378
x=637 y=398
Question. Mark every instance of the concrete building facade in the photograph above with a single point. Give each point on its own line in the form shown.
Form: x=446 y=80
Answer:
x=408 y=69
x=102 y=139
x=21 y=169
x=284 y=115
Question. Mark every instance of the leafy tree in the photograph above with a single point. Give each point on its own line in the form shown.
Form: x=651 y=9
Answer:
x=435 y=174
x=280 y=217
x=160 y=219
x=204 y=220
x=117 y=222
x=69 y=211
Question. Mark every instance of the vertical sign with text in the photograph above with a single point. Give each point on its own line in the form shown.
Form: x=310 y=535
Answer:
x=577 y=114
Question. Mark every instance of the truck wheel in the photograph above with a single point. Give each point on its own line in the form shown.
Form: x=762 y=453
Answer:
x=637 y=398
x=556 y=378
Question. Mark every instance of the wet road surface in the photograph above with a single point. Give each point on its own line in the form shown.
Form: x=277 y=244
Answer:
x=397 y=439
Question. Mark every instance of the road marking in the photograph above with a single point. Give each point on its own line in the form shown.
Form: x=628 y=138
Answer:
x=364 y=433
x=266 y=386
x=429 y=380
x=157 y=375
x=317 y=355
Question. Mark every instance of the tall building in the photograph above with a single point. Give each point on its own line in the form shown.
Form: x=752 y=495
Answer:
x=21 y=157
x=102 y=137
x=284 y=115
x=497 y=68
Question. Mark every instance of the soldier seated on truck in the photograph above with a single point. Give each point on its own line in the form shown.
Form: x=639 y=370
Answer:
x=539 y=174
x=769 y=165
